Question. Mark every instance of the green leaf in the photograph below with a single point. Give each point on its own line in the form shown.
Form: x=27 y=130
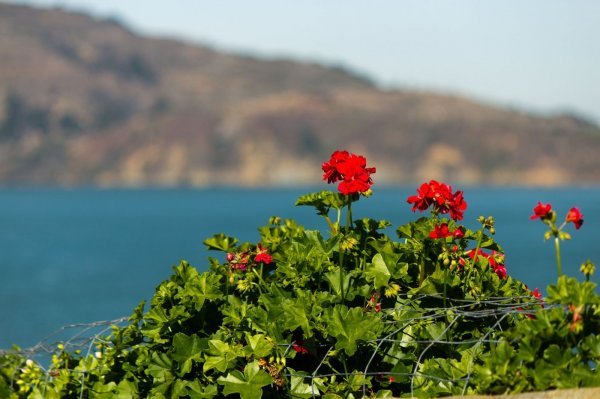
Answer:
x=258 y=345
x=126 y=390
x=187 y=348
x=378 y=272
x=196 y=390
x=203 y=287
x=295 y=315
x=221 y=356
x=323 y=201
x=333 y=278
x=300 y=389
x=248 y=385
x=160 y=368
x=350 y=326
x=220 y=242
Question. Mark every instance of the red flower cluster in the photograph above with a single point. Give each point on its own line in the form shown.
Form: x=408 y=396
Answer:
x=575 y=216
x=442 y=231
x=299 y=347
x=544 y=212
x=441 y=197
x=495 y=260
x=241 y=260
x=262 y=255
x=577 y=323
x=541 y=211
x=376 y=306
x=238 y=261
x=351 y=170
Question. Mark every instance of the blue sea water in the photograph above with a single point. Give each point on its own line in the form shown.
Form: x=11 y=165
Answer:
x=83 y=255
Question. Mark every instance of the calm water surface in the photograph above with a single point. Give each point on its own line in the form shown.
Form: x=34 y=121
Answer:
x=69 y=256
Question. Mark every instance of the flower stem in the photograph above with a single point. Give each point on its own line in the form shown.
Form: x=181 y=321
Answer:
x=558 y=262
x=422 y=270
x=475 y=255
x=341 y=253
x=349 y=220
x=445 y=286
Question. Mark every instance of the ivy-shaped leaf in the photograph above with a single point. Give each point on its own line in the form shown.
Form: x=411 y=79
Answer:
x=221 y=356
x=249 y=384
x=160 y=368
x=221 y=242
x=378 y=272
x=323 y=201
x=187 y=348
x=203 y=287
x=300 y=389
x=196 y=390
x=349 y=326
x=258 y=345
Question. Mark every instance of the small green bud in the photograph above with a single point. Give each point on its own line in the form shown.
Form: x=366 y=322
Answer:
x=587 y=268
x=492 y=230
x=392 y=290
x=446 y=262
x=563 y=235
x=348 y=243
x=548 y=235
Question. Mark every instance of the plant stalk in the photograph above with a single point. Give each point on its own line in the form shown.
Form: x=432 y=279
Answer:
x=558 y=262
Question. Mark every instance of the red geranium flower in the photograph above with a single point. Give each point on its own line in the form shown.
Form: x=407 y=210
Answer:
x=495 y=260
x=299 y=347
x=351 y=170
x=440 y=231
x=424 y=197
x=238 y=261
x=541 y=211
x=575 y=216
x=459 y=233
x=440 y=196
x=457 y=206
x=262 y=255
x=331 y=173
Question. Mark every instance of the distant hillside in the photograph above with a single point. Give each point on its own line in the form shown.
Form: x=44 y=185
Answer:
x=86 y=101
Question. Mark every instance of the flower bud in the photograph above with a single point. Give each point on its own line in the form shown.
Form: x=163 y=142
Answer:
x=563 y=235
x=587 y=268
x=446 y=262
x=391 y=290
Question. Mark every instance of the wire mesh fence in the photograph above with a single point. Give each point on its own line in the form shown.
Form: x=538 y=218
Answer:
x=491 y=313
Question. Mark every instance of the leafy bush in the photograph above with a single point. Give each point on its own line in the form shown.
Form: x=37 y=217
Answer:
x=355 y=313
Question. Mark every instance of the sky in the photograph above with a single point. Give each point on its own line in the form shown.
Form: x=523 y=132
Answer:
x=541 y=56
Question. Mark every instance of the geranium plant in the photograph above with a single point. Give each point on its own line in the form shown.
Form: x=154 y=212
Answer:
x=348 y=313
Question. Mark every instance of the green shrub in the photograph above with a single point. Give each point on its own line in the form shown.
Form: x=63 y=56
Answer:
x=354 y=313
